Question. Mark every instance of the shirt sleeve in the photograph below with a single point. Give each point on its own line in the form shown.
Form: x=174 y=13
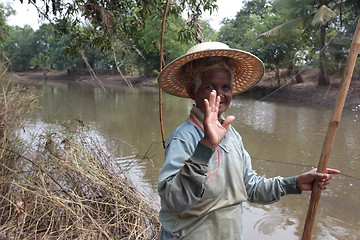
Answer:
x=182 y=178
x=265 y=190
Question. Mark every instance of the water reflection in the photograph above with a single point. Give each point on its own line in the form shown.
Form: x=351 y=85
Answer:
x=258 y=115
x=283 y=139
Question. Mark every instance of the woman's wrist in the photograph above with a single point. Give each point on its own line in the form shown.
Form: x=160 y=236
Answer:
x=207 y=143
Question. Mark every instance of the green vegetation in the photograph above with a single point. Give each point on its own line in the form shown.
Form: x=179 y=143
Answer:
x=123 y=37
x=118 y=37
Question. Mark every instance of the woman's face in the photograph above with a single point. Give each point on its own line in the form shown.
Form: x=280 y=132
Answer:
x=218 y=80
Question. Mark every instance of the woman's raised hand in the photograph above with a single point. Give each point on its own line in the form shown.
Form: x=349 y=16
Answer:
x=213 y=129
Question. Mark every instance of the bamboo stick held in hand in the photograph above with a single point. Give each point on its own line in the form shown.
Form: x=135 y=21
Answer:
x=330 y=135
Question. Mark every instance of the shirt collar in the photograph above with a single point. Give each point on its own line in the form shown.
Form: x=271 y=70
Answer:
x=197 y=117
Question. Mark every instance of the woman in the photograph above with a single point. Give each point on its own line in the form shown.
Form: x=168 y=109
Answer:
x=207 y=172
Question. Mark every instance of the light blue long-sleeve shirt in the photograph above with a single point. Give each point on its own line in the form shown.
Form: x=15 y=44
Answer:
x=202 y=189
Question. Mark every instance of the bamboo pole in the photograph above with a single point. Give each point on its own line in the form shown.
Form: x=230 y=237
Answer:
x=330 y=135
x=161 y=49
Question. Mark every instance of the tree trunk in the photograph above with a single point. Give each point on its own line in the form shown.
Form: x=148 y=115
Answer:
x=323 y=79
x=298 y=76
x=277 y=74
x=294 y=70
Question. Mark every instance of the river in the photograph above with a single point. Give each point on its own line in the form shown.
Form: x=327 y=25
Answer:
x=282 y=138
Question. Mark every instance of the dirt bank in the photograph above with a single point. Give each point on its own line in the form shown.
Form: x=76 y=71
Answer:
x=268 y=88
x=308 y=92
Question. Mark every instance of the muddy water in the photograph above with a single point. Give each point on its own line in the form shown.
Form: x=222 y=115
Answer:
x=283 y=139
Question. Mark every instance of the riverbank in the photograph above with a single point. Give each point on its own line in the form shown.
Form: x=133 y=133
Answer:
x=268 y=88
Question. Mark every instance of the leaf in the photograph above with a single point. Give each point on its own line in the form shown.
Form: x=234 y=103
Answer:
x=282 y=30
x=323 y=16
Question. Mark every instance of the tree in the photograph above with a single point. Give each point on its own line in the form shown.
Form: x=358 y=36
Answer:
x=5 y=12
x=148 y=55
x=341 y=40
x=251 y=21
x=98 y=29
x=240 y=32
x=117 y=23
x=43 y=38
x=311 y=15
x=21 y=48
x=52 y=50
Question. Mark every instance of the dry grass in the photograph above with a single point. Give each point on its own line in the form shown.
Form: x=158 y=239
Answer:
x=66 y=188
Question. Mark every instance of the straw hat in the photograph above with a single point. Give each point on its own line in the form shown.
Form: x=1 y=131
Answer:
x=248 y=69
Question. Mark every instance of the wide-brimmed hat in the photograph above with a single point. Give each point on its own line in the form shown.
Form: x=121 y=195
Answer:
x=247 y=70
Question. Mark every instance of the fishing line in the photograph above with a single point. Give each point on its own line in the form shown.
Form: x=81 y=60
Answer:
x=299 y=165
x=288 y=82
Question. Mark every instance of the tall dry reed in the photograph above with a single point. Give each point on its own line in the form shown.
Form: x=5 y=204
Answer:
x=67 y=187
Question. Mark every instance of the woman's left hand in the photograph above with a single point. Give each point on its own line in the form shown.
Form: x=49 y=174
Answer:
x=304 y=181
x=214 y=131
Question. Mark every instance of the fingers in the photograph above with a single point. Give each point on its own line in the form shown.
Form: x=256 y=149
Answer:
x=212 y=104
x=228 y=120
x=324 y=178
x=328 y=170
x=213 y=99
x=332 y=171
x=322 y=185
